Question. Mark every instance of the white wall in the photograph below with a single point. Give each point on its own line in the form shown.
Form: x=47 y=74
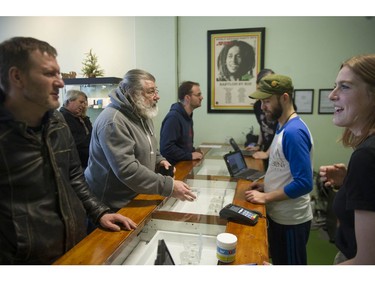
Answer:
x=111 y=39
x=156 y=49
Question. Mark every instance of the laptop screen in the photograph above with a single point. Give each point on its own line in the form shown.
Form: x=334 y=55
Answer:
x=235 y=162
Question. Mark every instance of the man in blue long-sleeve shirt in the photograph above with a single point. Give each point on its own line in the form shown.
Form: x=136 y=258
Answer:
x=177 y=130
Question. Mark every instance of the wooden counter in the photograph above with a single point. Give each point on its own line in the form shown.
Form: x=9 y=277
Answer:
x=252 y=245
x=102 y=247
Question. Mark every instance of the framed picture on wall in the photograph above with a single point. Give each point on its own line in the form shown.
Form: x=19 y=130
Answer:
x=235 y=57
x=304 y=100
x=325 y=104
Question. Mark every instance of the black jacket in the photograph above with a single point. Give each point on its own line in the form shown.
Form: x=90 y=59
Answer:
x=81 y=137
x=43 y=193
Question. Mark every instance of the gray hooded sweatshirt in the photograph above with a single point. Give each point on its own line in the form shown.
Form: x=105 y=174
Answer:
x=124 y=155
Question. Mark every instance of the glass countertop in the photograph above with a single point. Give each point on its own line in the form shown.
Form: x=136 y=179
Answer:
x=212 y=196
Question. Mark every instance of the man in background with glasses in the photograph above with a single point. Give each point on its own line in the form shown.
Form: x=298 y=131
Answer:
x=177 y=130
x=124 y=150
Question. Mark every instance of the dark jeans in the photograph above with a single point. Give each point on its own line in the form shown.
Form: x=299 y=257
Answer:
x=288 y=243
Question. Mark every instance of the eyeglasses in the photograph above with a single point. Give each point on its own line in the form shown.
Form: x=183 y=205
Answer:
x=152 y=92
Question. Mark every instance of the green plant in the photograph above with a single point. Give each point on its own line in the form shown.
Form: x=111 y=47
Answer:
x=91 y=67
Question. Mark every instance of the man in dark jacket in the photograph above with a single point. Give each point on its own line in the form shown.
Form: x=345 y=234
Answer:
x=177 y=130
x=43 y=194
x=74 y=108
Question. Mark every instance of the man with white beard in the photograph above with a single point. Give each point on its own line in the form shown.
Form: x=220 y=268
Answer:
x=124 y=155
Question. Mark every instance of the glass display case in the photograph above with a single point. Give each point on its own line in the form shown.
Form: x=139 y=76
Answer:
x=96 y=89
x=189 y=229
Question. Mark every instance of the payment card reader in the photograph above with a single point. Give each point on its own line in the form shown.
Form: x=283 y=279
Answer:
x=239 y=214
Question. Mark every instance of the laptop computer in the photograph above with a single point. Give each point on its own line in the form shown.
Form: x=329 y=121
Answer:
x=237 y=148
x=237 y=167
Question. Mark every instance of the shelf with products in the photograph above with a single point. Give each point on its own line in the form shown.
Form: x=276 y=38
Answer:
x=96 y=89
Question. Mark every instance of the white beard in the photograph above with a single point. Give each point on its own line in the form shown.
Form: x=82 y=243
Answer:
x=146 y=111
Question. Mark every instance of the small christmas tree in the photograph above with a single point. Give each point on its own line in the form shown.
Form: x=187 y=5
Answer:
x=91 y=67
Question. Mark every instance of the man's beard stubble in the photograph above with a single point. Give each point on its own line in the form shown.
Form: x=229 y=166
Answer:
x=276 y=114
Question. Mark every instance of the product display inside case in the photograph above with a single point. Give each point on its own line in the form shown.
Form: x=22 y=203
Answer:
x=213 y=162
x=212 y=167
x=216 y=151
x=186 y=248
x=211 y=197
x=188 y=241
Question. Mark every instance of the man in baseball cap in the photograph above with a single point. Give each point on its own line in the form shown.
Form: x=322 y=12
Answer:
x=273 y=84
x=289 y=178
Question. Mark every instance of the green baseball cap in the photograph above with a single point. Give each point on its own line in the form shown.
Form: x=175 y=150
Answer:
x=272 y=84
